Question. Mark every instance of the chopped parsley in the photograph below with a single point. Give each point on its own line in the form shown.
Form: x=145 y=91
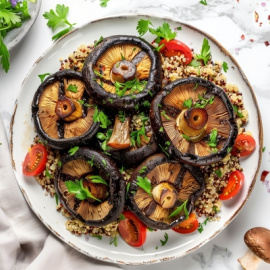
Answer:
x=97 y=179
x=205 y=54
x=132 y=86
x=72 y=88
x=166 y=238
x=100 y=116
x=98 y=41
x=43 y=76
x=203 y=2
x=178 y=210
x=145 y=184
x=236 y=110
x=225 y=66
x=201 y=225
x=73 y=150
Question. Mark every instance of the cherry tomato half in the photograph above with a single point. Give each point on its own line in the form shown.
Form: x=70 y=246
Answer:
x=188 y=226
x=132 y=230
x=35 y=160
x=175 y=47
x=244 y=145
x=235 y=183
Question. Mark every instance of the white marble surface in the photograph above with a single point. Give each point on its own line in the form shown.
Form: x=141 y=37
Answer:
x=226 y=21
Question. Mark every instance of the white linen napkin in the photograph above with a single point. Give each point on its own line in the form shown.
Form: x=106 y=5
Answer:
x=25 y=243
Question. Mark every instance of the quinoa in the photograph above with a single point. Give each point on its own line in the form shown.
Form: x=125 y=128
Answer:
x=216 y=175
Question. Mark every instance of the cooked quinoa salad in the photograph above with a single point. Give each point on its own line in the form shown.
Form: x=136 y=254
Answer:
x=208 y=205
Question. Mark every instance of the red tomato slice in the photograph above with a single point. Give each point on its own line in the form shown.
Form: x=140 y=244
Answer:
x=235 y=183
x=132 y=230
x=175 y=47
x=244 y=145
x=188 y=226
x=263 y=175
x=35 y=160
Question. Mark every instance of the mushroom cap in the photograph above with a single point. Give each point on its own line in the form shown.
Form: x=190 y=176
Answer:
x=258 y=241
x=78 y=166
x=168 y=111
x=185 y=181
x=102 y=89
x=79 y=127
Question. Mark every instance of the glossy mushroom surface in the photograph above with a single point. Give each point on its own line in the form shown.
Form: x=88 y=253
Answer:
x=172 y=186
x=122 y=72
x=108 y=195
x=194 y=121
x=62 y=111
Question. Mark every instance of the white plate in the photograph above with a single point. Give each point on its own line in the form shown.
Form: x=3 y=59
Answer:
x=22 y=132
x=16 y=35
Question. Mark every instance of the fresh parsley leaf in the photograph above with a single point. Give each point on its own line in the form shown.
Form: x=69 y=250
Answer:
x=213 y=138
x=145 y=184
x=47 y=174
x=225 y=66
x=236 y=110
x=205 y=52
x=218 y=173
x=178 y=210
x=43 y=76
x=203 y=2
x=105 y=138
x=56 y=198
x=143 y=26
x=73 y=88
x=100 y=116
x=263 y=149
x=133 y=86
x=163 y=31
x=143 y=169
x=73 y=150
x=103 y=3
x=97 y=179
x=58 y=18
x=195 y=63
x=163 y=113
x=188 y=103
x=185 y=137
x=91 y=162
x=79 y=190
x=122 y=116
x=135 y=136
x=166 y=237
x=98 y=41
x=114 y=241
x=202 y=102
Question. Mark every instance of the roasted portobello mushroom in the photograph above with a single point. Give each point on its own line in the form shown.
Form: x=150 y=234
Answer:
x=194 y=121
x=97 y=176
x=122 y=72
x=62 y=111
x=162 y=191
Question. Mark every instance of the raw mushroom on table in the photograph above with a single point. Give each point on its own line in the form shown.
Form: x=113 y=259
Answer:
x=258 y=241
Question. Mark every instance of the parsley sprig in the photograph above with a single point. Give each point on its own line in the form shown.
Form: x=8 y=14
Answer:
x=100 y=116
x=213 y=138
x=10 y=17
x=145 y=184
x=58 y=18
x=97 y=179
x=133 y=86
x=79 y=190
x=105 y=137
x=205 y=54
x=178 y=210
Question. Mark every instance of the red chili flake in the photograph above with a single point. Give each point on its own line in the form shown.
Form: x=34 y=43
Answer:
x=260 y=24
x=266 y=43
x=251 y=40
x=243 y=37
x=263 y=175
x=268 y=17
x=256 y=16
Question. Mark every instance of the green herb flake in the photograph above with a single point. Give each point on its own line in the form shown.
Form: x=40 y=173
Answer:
x=178 y=210
x=161 y=129
x=43 y=76
x=73 y=150
x=91 y=162
x=166 y=238
x=56 y=198
x=100 y=116
x=213 y=138
x=72 y=88
x=98 y=41
x=97 y=179
x=263 y=149
x=59 y=163
x=99 y=237
x=122 y=217
x=143 y=169
x=163 y=113
x=114 y=241
x=201 y=225
x=188 y=103
x=103 y=3
x=122 y=116
x=225 y=66
x=236 y=110
x=218 y=173
x=143 y=26
x=98 y=74
x=185 y=137
x=47 y=174
x=203 y=2
x=145 y=184
x=146 y=103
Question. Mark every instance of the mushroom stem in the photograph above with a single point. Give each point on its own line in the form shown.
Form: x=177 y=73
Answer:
x=120 y=138
x=249 y=261
x=165 y=195
x=123 y=71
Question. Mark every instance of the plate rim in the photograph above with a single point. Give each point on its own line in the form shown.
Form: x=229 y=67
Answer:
x=259 y=125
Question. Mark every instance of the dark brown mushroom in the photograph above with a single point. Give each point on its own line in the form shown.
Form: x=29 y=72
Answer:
x=258 y=241
x=130 y=140
x=172 y=186
x=123 y=59
x=61 y=111
x=194 y=121
x=100 y=176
